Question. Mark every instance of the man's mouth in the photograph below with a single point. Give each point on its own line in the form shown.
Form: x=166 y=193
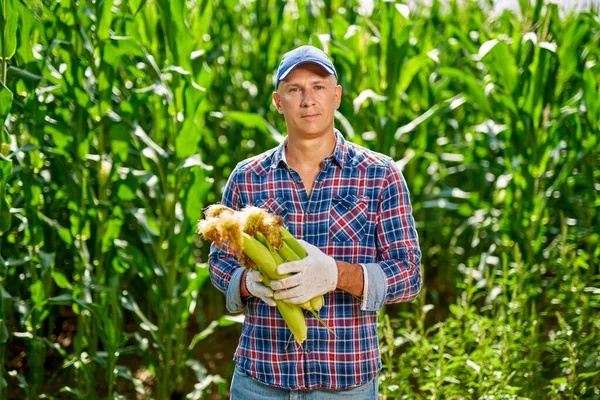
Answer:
x=310 y=116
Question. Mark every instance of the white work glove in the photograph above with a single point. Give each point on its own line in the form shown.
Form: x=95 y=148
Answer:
x=257 y=288
x=313 y=276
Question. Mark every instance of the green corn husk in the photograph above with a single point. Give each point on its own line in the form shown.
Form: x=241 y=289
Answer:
x=260 y=255
x=291 y=250
x=316 y=303
x=278 y=259
x=292 y=313
x=288 y=254
x=259 y=240
x=291 y=241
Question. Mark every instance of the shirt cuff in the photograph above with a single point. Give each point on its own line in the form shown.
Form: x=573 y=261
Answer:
x=233 y=300
x=374 y=289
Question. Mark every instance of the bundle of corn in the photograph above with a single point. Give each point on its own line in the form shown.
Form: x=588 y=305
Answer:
x=260 y=241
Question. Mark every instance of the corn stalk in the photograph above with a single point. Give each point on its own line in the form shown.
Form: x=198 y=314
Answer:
x=112 y=112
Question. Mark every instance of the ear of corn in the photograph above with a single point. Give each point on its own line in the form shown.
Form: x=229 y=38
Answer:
x=291 y=313
x=317 y=302
x=292 y=242
x=260 y=255
x=287 y=253
x=294 y=318
x=259 y=240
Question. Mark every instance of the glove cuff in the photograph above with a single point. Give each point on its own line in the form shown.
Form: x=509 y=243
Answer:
x=245 y=277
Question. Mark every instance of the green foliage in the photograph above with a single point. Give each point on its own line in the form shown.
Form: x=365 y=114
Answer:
x=509 y=335
x=123 y=119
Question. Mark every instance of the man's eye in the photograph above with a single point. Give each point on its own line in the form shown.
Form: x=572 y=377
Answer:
x=319 y=87
x=294 y=89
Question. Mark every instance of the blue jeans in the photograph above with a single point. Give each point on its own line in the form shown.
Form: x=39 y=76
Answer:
x=244 y=387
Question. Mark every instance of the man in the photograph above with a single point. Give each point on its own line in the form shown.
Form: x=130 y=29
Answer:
x=352 y=209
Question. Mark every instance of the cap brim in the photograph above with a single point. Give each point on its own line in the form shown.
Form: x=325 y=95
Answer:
x=290 y=69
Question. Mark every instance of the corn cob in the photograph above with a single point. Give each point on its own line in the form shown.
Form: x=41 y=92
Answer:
x=291 y=250
x=259 y=240
x=291 y=313
x=288 y=254
x=291 y=241
x=314 y=304
x=224 y=227
x=279 y=259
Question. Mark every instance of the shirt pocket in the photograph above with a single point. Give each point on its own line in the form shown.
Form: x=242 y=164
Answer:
x=274 y=206
x=348 y=218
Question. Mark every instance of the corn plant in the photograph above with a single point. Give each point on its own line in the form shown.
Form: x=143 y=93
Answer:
x=121 y=121
x=497 y=342
x=112 y=239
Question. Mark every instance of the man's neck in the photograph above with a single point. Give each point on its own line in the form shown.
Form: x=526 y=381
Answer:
x=308 y=153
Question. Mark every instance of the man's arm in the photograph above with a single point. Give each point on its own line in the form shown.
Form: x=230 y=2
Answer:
x=396 y=277
x=350 y=278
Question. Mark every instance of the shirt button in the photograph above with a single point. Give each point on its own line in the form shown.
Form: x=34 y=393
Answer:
x=308 y=212
x=308 y=350
x=298 y=180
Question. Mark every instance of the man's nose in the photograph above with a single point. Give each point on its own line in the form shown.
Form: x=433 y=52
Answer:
x=308 y=98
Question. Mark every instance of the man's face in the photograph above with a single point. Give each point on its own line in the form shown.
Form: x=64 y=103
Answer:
x=308 y=98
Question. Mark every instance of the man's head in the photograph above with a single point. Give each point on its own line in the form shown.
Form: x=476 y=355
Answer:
x=307 y=91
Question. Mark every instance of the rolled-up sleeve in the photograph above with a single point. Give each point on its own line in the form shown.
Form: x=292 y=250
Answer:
x=374 y=288
x=396 y=277
x=225 y=270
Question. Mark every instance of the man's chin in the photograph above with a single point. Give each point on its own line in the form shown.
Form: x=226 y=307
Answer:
x=314 y=131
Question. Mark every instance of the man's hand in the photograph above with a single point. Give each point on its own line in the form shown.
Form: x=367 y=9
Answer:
x=313 y=276
x=254 y=286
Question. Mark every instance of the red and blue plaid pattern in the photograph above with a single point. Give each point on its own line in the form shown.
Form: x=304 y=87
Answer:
x=358 y=211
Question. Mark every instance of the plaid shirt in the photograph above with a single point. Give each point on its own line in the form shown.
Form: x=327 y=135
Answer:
x=358 y=211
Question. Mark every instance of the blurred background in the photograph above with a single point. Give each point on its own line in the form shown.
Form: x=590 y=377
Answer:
x=122 y=120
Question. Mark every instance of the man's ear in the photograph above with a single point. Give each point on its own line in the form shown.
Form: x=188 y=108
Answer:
x=338 y=96
x=277 y=101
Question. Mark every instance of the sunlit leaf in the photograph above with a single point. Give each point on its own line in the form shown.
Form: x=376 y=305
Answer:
x=8 y=25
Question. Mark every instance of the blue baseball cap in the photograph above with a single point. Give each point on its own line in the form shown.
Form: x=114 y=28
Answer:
x=303 y=55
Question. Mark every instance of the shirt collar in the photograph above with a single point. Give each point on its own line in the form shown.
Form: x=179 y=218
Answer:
x=339 y=153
